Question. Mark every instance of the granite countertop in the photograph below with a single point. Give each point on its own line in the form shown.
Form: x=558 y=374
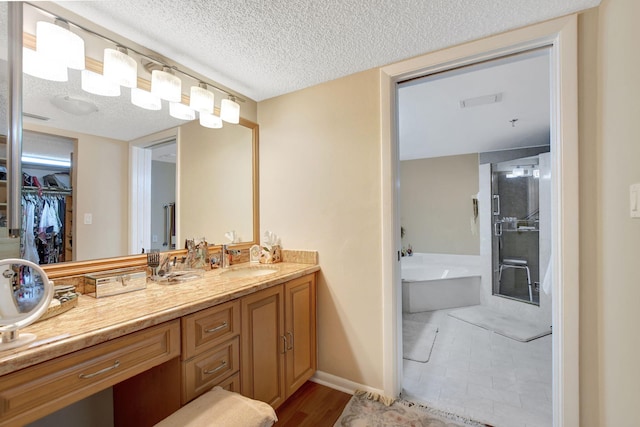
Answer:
x=96 y=320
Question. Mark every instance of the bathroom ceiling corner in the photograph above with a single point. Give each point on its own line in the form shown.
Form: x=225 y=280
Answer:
x=491 y=106
x=265 y=49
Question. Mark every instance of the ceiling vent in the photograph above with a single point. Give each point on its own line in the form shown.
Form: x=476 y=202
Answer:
x=481 y=100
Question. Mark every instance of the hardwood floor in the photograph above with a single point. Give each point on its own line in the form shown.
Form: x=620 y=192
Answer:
x=312 y=405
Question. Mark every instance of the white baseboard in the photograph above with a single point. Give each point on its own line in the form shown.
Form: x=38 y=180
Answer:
x=342 y=384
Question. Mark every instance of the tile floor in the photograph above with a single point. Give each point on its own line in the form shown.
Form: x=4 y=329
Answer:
x=482 y=375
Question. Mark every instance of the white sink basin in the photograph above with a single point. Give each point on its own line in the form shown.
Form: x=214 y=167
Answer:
x=250 y=271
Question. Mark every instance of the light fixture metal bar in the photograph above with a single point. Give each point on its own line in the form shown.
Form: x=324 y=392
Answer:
x=150 y=58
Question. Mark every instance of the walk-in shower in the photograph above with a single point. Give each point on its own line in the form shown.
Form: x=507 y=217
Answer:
x=516 y=225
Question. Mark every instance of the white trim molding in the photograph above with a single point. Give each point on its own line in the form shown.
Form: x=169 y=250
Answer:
x=341 y=384
x=561 y=35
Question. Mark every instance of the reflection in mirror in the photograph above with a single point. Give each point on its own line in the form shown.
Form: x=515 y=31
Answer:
x=215 y=186
x=214 y=183
x=215 y=194
x=9 y=248
x=163 y=196
x=46 y=198
x=25 y=294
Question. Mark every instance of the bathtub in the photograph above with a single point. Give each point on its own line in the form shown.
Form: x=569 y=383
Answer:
x=438 y=281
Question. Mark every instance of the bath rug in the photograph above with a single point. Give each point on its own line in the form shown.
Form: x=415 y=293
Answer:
x=363 y=412
x=504 y=324
x=417 y=340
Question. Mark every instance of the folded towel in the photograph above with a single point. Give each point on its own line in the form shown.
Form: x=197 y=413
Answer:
x=222 y=408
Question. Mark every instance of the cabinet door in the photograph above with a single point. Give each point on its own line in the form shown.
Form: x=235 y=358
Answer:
x=263 y=346
x=300 y=331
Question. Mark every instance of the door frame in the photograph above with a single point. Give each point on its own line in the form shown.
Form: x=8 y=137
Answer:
x=140 y=186
x=561 y=35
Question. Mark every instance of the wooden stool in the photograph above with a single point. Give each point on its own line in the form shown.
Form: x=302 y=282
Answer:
x=222 y=408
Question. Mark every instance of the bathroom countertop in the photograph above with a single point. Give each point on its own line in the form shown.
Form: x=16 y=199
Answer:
x=96 y=320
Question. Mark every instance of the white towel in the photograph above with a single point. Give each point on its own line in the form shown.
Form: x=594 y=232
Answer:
x=222 y=408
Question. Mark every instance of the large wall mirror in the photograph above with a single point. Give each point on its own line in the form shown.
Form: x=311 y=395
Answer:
x=118 y=180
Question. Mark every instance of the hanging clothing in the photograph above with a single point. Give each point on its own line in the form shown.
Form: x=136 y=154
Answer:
x=30 y=253
x=43 y=227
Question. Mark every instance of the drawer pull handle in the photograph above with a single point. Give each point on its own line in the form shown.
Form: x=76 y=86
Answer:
x=101 y=371
x=217 y=328
x=214 y=370
x=290 y=347
x=284 y=342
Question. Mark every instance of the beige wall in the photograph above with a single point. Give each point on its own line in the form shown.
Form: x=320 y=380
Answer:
x=100 y=188
x=320 y=189
x=320 y=145
x=436 y=208
x=610 y=162
x=216 y=183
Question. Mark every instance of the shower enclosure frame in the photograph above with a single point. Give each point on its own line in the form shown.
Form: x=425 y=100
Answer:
x=515 y=214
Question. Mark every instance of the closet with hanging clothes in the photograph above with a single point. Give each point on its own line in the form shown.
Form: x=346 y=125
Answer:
x=46 y=198
x=43 y=226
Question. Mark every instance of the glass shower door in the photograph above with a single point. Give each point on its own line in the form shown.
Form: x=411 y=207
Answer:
x=515 y=223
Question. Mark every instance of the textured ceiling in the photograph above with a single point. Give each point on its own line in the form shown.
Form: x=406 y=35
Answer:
x=265 y=48
x=433 y=124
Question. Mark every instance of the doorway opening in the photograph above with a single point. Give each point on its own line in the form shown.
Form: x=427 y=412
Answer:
x=162 y=218
x=153 y=183
x=459 y=130
x=561 y=35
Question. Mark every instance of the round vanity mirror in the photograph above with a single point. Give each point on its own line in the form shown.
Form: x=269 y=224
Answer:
x=25 y=294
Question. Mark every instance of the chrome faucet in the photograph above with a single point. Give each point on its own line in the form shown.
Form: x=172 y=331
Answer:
x=224 y=257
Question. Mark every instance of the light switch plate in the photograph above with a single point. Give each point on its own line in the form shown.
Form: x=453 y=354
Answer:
x=88 y=219
x=634 y=200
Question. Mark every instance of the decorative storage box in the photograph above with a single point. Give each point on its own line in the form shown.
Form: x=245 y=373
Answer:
x=115 y=282
x=272 y=255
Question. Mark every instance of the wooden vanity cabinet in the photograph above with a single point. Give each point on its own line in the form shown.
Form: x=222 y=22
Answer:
x=300 y=331
x=278 y=340
x=262 y=345
x=210 y=350
x=33 y=392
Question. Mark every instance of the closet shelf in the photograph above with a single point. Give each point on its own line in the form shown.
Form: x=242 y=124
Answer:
x=55 y=190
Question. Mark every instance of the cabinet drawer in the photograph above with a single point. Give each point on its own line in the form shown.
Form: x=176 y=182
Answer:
x=209 y=369
x=33 y=392
x=232 y=383
x=207 y=328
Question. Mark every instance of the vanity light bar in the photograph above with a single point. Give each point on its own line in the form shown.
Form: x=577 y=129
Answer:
x=155 y=60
